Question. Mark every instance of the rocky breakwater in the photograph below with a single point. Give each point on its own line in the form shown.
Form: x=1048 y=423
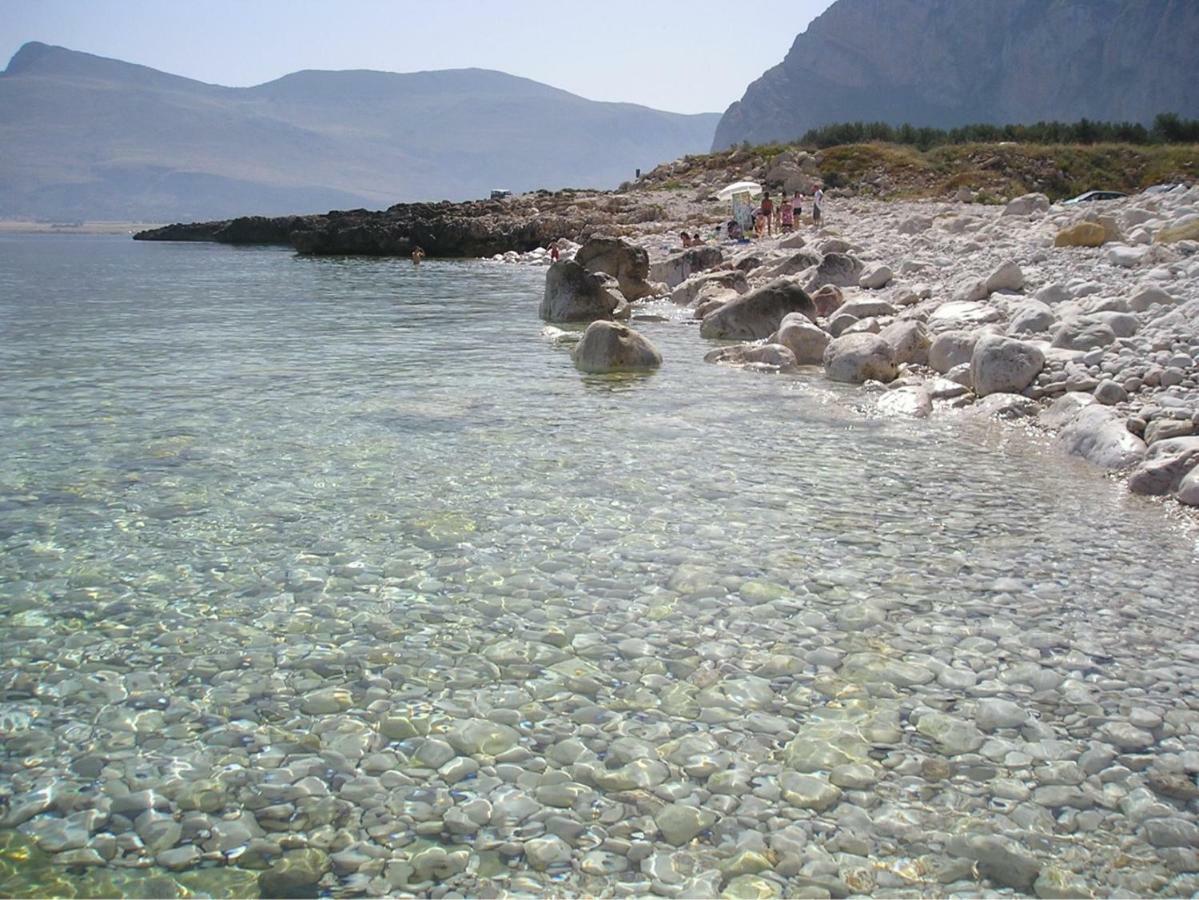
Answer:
x=470 y=229
x=1083 y=320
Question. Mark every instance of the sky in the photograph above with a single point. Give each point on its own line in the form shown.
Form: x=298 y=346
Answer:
x=680 y=56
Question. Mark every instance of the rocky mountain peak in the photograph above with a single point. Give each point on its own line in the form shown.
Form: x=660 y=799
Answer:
x=944 y=63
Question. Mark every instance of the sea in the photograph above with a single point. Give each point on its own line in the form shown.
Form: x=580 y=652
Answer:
x=337 y=570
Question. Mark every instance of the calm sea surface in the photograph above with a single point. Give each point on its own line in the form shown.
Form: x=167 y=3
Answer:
x=339 y=564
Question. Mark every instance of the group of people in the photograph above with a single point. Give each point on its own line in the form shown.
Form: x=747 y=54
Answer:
x=770 y=217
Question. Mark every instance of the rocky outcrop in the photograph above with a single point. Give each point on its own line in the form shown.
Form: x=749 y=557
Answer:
x=758 y=314
x=614 y=347
x=472 y=229
x=572 y=294
x=627 y=263
x=952 y=62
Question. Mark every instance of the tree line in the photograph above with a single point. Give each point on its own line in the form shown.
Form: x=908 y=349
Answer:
x=1167 y=128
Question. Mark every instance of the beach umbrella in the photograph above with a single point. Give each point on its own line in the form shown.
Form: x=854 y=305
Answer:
x=740 y=187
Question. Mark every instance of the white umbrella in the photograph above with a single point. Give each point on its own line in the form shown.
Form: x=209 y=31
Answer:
x=741 y=187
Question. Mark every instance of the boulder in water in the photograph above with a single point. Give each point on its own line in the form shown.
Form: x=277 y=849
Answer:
x=614 y=347
x=572 y=294
x=627 y=263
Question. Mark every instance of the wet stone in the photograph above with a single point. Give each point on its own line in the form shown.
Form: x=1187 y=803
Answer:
x=679 y=822
x=296 y=874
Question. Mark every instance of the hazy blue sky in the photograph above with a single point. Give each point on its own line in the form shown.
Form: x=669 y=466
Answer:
x=681 y=56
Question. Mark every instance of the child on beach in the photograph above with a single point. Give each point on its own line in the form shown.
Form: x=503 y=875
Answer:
x=817 y=202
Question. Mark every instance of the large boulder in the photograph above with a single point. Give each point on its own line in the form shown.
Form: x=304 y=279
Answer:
x=687 y=292
x=1083 y=334
x=1008 y=277
x=1026 y=205
x=951 y=348
x=1164 y=466
x=1081 y=234
x=674 y=270
x=803 y=338
x=613 y=347
x=758 y=314
x=839 y=269
x=910 y=340
x=1099 y=435
x=856 y=358
x=1004 y=365
x=627 y=263
x=572 y=294
x=876 y=277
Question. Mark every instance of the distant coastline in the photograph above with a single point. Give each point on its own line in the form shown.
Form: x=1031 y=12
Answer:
x=28 y=226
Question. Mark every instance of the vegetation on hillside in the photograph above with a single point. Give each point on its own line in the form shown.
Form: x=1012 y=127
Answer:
x=1166 y=129
x=991 y=171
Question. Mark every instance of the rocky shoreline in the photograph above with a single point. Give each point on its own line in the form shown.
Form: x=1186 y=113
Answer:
x=452 y=230
x=1079 y=319
x=1076 y=318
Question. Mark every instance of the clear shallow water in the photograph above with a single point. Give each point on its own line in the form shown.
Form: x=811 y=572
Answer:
x=340 y=554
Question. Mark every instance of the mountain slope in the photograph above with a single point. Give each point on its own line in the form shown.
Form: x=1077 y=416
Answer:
x=953 y=62
x=88 y=137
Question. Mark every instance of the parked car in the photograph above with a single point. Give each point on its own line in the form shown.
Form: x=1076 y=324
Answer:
x=1089 y=196
x=1162 y=188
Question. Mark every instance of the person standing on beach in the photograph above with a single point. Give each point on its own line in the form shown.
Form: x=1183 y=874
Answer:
x=417 y=255
x=817 y=203
x=768 y=213
x=786 y=215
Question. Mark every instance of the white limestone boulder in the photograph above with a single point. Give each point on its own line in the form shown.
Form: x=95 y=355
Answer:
x=1004 y=365
x=856 y=358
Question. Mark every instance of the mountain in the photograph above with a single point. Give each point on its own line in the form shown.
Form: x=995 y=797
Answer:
x=89 y=137
x=943 y=63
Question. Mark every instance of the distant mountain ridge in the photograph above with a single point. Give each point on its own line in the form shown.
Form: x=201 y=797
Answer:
x=945 y=63
x=84 y=136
